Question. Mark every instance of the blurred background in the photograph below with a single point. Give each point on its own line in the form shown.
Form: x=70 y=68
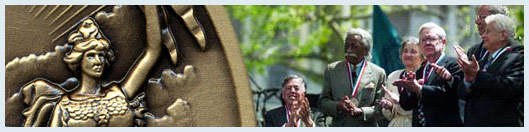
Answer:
x=280 y=40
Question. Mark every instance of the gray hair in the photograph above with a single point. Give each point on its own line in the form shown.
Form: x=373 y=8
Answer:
x=410 y=40
x=367 y=40
x=498 y=9
x=502 y=23
x=438 y=29
x=291 y=77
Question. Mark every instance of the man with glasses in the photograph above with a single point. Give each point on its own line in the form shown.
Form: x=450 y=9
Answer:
x=484 y=11
x=493 y=87
x=433 y=97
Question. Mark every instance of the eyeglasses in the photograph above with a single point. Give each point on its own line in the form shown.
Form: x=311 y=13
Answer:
x=431 y=40
x=480 y=17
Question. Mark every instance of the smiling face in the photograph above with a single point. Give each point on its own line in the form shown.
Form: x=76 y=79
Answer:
x=411 y=56
x=430 y=42
x=354 y=46
x=293 y=90
x=93 y=63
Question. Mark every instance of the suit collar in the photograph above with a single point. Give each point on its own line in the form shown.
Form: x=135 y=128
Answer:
x=342 y=67
x=440 y=62
x=499 y=59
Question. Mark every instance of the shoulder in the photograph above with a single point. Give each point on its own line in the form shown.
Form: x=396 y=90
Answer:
x=517 y=47
x=335 y=64
x=395 y=74
x=275 y=111
x=376 y=68
x=114 y=89
x=475 y=47
x=450 y=60
x=515 y=55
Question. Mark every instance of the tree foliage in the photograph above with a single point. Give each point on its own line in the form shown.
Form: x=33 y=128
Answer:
x=291 y=35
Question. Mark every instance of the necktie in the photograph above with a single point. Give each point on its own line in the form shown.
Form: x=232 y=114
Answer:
x=420 y=116
x=353 y=75
x=487 y=63
x=427 y=73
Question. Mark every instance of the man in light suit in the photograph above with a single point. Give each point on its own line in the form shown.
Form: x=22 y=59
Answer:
x=295 y=111
x=433 y=98
x=352 y=86
x=493 y=87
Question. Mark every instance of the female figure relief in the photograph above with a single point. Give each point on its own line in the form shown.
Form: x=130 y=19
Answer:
x=92 y=103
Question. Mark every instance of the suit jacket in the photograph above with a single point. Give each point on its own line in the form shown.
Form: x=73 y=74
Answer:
x=278 y=117
x=439 y=97
x=476 y=50
x=496 y=93
x=336 y=85
x=479 y=51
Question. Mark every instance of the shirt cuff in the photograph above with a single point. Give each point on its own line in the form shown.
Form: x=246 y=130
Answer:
x=451 y=81
x=467 y=85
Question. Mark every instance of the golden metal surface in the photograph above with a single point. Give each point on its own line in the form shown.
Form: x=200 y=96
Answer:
x=124 y=66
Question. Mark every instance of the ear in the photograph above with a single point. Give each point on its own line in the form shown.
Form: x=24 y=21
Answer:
x=443 y=41
x=504 y=35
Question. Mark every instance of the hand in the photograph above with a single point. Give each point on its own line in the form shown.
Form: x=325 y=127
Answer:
x=420 y=81
x=305 y=112
x=470 y=68
x=442 y=72
x=391 y=96
x=343 y=103
x=294 y=115
x=409 y=83
x=386 y=103
x=353 y=110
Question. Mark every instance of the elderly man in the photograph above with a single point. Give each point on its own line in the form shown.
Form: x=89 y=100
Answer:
x=484 y=11
x=433 y=98
x=296 y=111
x=351 y=86
x=493 y=86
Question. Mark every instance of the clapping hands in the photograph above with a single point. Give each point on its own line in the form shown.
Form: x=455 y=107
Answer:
x=409 y=83
x=300 y=110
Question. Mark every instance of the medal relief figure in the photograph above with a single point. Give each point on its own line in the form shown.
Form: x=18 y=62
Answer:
x=124 y=66
x=92 y=102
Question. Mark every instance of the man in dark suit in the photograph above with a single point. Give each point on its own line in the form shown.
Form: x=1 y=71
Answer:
x=295 y=111
x=482 y=12
x=433 y=98
x=493 y=87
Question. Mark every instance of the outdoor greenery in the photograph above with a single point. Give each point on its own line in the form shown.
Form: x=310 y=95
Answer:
x=293 y=35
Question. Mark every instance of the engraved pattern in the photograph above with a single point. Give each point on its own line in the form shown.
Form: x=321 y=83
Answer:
x=96 y=108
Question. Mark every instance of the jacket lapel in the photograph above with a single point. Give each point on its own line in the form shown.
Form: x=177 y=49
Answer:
x=433 y=75
x=501 y=59
x=365 y=79
x=343 y=79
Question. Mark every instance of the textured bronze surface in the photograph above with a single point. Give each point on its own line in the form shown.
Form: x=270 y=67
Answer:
x=167 y=66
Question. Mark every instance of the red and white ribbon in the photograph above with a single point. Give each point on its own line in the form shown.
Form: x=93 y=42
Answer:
x=354 y=86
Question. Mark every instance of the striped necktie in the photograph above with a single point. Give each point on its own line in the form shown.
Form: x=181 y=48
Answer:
x=487 y=62
x=420 y=116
